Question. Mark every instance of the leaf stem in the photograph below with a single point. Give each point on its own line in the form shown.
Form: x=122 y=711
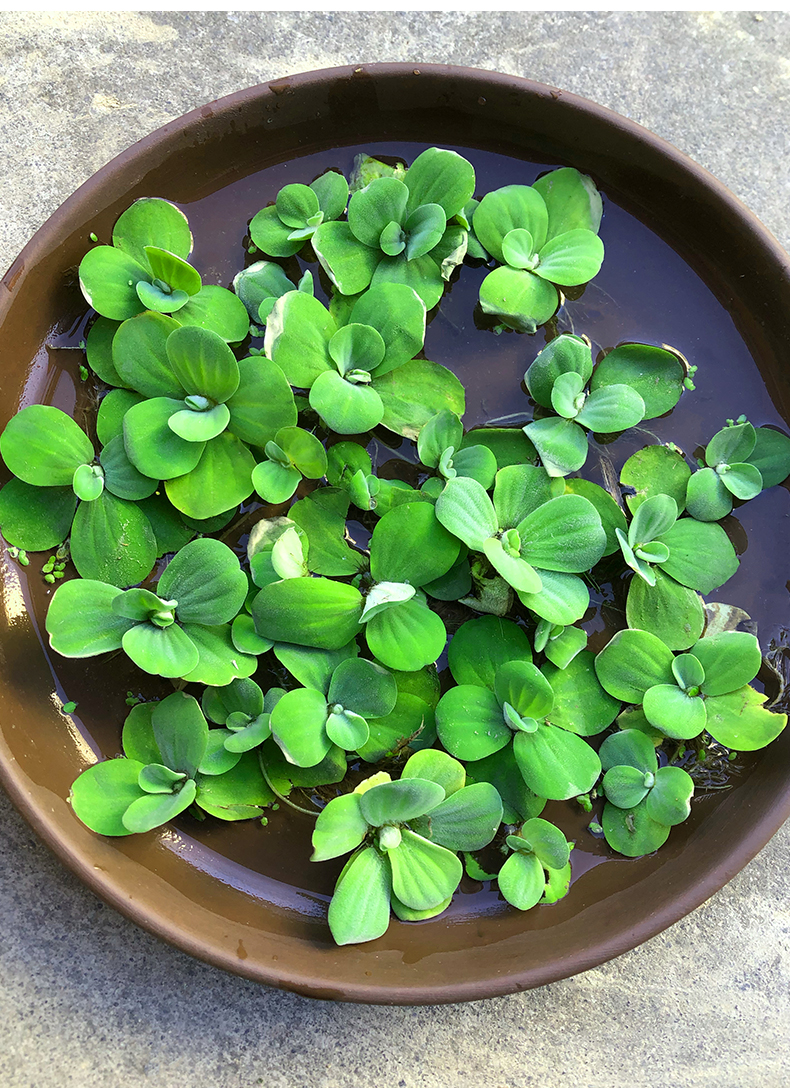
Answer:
x=282 y=797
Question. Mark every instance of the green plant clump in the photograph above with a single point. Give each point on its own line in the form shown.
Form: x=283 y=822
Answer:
x=417 y=778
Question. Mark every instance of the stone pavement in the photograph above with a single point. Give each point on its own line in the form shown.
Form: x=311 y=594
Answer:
x=86 y=998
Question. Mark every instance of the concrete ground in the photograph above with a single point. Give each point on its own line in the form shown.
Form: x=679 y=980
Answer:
x=86 y=998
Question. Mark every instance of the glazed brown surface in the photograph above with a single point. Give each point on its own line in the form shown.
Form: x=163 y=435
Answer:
x=233 y=894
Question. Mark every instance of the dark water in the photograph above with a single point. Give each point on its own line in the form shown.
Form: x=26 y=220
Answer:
x=645 y=291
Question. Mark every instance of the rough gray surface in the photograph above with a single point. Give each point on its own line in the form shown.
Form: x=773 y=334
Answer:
x=86 y=998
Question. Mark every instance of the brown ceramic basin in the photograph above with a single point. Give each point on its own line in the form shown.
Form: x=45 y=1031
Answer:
x=233 y=895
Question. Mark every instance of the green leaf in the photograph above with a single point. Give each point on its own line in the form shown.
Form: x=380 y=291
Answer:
x=654 y=373
x=656 y=470
x=340 y=828
x=630 y=748
x=363 y=687
x=565 y=395
x=564 y=534
x=43 y=446
x=730 y=660
x=561 y=444
x=140 y=356
x=153 y=810
x=654 y=517
x=771 y=455
x=544 y=840
x=742 y=480
x=670 y=611
x=181 y=732
x=219 y=661
x=443 y=430
x=152 y=221
x=556 y=764
x=436 y=766
x=203 y=363
x=138 y=739
x=580 y=703
x=103 y=793
x=572 y=201
x=322 y=515
x=563 y=599
x=406 y=636
x=114 y=406
x=81 y=621
x=239 y=794
x=345 y=407
x=348 y=263
x=423 y=874
x=669 y=800
x=161 y=651
x=152 y=447
x=112 y=541
x=260 y=282
x=467 y=820
x=356 y=347
x=470 y=724
x=298 y=724
x=398 y=314
x=739 y=720
x=566 y=354
x=700 y=555
x=439 y=176
x=520 y=489
x=206 y=580
x=199 y=426
x=480 y=646
x=465 y=510
x=733 y=443
x=98 y=349
x=524 y=688
x=272 y=236
x=220 y=481
x=390 y=733
x=180 y=276
x=571 y=259
x=509 y=445
x=478 y=463
x=360 y=907
x=372 y=209
x=522 y=881
x=424 y=229
x=625 y=786
x=240 y=696
x=609 y=512
x=409 y=544
x=331 y=189
x=219 y=311
x=502 y=771
x=347 y=730
x=707 y=499
x=275 y=483
x=415 y=392
x=308 y=612
x=504 y=210
x=120 y=476
x=304 y=450
x=421 y=274
x=36 y=518
x=295 y=204
x=516 y=571
x=614 y=408
x=170 y=531
x=631 y=831
x=521 y=300
x=108 y=278
x=160 y=301
x=631 y=662
x=518 y=249
x=675 y=713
